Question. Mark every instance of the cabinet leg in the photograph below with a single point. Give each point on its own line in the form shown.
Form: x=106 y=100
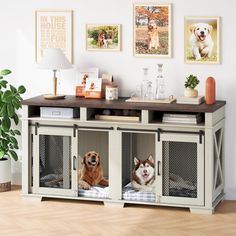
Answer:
x=114 y=204
x=202 y=211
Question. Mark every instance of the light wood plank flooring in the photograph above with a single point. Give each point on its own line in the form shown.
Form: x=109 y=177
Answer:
x=21 y=217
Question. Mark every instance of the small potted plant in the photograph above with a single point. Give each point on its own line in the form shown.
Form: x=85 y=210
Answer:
x=190 y=85
x=10 y=101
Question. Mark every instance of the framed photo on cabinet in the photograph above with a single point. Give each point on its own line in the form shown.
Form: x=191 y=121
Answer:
x=152 y=30
x=54 y=29
x=202 y=40
x=103 y=37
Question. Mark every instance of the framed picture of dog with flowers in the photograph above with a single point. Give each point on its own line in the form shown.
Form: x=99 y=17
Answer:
x=152 y=30
x=202 y=40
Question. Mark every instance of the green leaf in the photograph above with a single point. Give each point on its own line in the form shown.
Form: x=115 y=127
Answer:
x=6 y=124
x=17 y=132
x=3 y=134
x=3 y=111
x=21 y=89
x=14 y=141
x=6 y=96
x=1 y=77
x=5 y=72
x=16 y=103
x=2 y=153
x=3 y=83
x=10 y=109
x=13 y=89
x=13 y=155
x=12 y=132
x=16 y=119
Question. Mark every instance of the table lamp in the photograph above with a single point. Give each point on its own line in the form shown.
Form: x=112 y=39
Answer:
x=54 y=59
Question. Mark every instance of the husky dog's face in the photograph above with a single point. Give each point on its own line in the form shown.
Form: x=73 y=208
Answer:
x=201 y=30
x=144 y=169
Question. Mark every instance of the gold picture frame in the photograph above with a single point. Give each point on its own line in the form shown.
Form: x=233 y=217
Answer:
x=103 y=37
x=152 y=36
x=54 y=29
x=202 y=39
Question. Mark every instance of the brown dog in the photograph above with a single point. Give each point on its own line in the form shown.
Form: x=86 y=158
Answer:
x=153 y=35
x=92 y=172
x=100 y=39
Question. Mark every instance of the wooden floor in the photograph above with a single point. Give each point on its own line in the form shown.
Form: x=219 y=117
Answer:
x=21 y=217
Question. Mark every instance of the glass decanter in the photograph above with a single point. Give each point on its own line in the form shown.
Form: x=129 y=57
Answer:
x=160 y=83
x=145 y=85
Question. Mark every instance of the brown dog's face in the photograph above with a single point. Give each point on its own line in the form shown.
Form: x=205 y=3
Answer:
x=91 y=159
x=152 y=25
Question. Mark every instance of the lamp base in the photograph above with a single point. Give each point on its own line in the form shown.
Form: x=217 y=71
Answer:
x=54 y=97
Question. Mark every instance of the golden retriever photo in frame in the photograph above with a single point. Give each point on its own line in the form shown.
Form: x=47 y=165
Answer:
x=152 y=30
x=202 y=40
x=103 y=37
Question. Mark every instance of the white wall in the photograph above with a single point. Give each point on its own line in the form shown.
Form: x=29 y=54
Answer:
x=17 y=47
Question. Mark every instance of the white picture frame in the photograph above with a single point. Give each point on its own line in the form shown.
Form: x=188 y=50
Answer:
x=103 y=37
x=54 y=29
x=155 y=42
x=190 y=29
x=87 y=73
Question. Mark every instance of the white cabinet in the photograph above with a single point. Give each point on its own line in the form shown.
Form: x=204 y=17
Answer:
x=188 y=158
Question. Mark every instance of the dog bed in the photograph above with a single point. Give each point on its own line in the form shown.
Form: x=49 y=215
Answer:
x=94 y=192
x=131 y=194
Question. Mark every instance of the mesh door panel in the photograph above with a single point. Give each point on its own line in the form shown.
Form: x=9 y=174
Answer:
x=180 y=169
x=54 y=161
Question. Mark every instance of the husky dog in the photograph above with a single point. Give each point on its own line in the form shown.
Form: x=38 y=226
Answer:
x=143 y=177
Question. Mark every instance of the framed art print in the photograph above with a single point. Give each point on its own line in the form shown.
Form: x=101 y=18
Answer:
x=103 y=37
x=54 y=30
x=152 y=30
x=202 y=40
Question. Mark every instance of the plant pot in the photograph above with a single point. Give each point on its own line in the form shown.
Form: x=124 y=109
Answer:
x=5 y=175
x=190 y=93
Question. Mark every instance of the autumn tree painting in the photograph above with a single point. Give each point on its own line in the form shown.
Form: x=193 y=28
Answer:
x=152 y=30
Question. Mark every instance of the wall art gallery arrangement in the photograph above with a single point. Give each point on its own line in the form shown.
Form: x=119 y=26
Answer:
x=152 y=26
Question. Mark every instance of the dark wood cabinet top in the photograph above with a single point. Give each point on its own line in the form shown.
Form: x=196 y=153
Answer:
x=72 y=101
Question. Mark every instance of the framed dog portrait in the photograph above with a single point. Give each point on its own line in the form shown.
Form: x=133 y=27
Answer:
x=152 y=30
x=103 y=37
x=54 y=30
x=202 y=40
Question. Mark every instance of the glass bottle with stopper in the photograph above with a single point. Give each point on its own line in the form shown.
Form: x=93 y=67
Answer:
x=160 y=83
x=146 y=86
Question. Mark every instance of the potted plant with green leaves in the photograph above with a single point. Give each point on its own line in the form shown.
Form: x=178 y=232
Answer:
x=10 y=102
x=191 y=83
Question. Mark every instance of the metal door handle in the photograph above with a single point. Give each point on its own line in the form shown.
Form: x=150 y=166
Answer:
x=158 y=168
x=74 y=161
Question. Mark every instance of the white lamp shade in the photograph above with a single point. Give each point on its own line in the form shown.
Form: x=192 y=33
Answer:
x=54 y=59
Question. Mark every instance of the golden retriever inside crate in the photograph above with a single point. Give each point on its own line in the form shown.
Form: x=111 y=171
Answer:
x=91 y=173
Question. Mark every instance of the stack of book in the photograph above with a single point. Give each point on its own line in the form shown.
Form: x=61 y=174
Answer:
x=182 y=118
x=186 y=100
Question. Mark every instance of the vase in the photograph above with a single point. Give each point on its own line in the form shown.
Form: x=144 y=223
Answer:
x=5 y=174
x=190 y=93
x=210 y=96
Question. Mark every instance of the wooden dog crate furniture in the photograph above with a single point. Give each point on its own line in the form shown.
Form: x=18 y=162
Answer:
x=52 y=149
